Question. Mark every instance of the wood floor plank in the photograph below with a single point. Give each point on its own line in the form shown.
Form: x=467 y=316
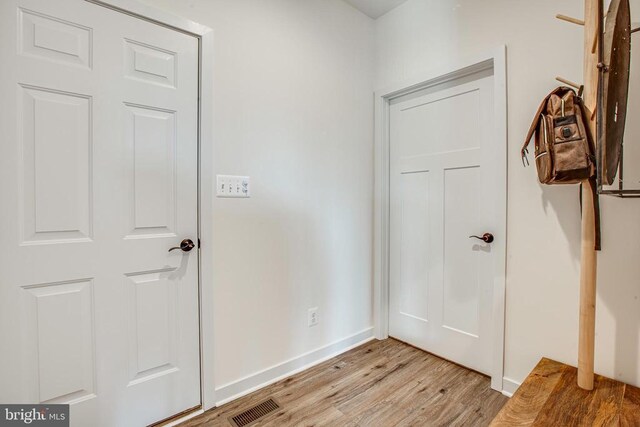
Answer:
x=326 y=391
x=306 y=416
x=375 y=389
x=437 y=411
x=569 y=405
x=630 y=407
x=389 y=405
x=381 y=383
x=386 y=405
x=524 y=407
x=550 y=396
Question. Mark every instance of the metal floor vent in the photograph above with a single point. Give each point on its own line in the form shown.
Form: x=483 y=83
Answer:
x=252 y=415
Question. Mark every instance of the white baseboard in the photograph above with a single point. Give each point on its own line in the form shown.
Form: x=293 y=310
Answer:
x=253 y=382
x=183 y=419
x=509 y=386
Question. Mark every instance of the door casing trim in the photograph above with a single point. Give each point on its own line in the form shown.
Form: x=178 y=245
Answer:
x=206 y=175
x=455 y=69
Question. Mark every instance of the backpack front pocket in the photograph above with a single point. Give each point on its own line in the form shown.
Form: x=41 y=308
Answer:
x=570 y=160
x=566 y=129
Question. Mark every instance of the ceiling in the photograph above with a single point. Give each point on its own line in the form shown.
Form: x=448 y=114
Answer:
x=375 y=8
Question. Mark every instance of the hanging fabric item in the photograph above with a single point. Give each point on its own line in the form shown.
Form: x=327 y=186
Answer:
x=564 y=147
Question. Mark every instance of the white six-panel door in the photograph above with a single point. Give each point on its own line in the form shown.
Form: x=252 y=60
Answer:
x=443 y=189
x=98 y=163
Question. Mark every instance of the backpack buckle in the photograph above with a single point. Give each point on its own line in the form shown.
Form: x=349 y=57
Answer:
x=525 y=160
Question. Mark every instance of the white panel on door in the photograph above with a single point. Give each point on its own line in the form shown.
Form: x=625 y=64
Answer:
x=151 y=64
x=152 y=325
x=54 y=39
x=60 y=320
x=414 y=273
x=439 y=121
x=151 y=134
x=57 y=166
x=461 y=297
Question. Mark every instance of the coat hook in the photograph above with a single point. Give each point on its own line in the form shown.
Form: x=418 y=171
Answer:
x=635 y=30
x=570 y=19
x=569 y=83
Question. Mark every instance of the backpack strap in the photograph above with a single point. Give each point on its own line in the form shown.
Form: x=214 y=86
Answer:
x=532 y=129
x=593 y=181
x=590 y=139
x=593 y=184
x=536 y=122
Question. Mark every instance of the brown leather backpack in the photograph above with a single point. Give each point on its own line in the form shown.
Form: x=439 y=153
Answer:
x=564 y=151
x=564 y=148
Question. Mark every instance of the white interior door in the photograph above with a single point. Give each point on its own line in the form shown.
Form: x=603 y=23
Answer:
x=445 y=185
x=99 y=179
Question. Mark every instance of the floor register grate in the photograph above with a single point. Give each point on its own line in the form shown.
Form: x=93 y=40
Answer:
x=253 y=414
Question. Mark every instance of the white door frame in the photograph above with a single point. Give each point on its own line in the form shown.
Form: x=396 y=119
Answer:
x=496 y=60
x=205 y=174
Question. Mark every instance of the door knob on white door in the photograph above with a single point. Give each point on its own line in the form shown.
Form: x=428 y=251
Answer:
x=486 y=237
x=186 y=245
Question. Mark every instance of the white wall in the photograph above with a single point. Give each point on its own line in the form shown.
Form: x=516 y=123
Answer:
x=293 y=98
x=543 y=222
x=293 y=106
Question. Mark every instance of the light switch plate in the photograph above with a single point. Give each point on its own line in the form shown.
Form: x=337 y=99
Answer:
x=233 y=186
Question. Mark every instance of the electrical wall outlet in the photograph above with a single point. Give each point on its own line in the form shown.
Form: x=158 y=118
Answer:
x=312 y=316
x=233 y=186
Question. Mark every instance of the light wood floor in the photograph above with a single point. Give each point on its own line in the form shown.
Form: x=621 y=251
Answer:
x=382 y=383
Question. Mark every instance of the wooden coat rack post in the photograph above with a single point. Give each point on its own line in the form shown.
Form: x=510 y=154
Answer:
x=588 y=260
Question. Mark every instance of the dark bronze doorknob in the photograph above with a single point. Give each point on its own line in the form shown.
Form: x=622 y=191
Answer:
x=186 y=245
x=486 y=237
